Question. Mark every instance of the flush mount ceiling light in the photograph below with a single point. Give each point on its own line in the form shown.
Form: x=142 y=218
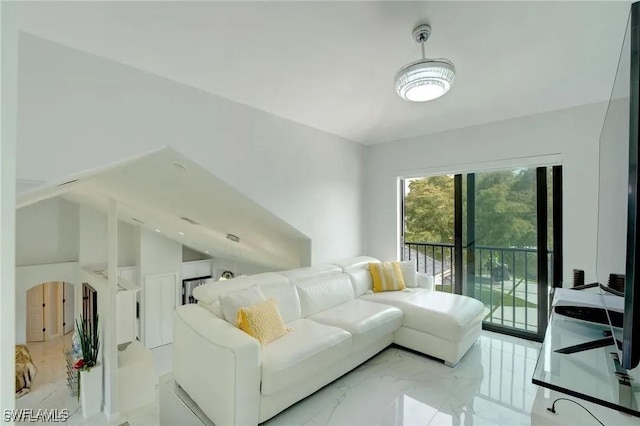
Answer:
x=425 y=79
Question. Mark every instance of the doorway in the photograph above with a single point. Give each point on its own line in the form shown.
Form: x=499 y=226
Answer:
x=48 y=319
x=495 y=236
x=50 y=311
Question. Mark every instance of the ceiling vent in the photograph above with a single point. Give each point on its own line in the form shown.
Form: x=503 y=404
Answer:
x=233 y=238
x=137 y=220
x=191 y=221
x=67 y=183
x=179 y=166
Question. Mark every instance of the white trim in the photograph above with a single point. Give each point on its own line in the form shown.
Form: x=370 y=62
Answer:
x=52 y=189
x=110 y=326
x=8 y=108
x=501 y=164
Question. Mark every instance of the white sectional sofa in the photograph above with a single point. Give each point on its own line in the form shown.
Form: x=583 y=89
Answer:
x=336 y=324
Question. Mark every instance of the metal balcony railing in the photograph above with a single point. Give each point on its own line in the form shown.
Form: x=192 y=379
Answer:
x=503 y=278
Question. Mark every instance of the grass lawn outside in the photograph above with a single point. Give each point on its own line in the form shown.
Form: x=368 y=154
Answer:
x=484 y=294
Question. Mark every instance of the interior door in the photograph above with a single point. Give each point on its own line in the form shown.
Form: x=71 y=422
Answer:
x=53 y=310
x=168 y=300
x=35 y=314
x=159 y=304
x=68 y=303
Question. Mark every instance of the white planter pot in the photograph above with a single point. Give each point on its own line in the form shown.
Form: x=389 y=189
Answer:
x=91 y=391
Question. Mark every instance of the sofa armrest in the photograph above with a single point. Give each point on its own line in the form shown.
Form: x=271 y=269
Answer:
x=218 y=365
x=425 y=281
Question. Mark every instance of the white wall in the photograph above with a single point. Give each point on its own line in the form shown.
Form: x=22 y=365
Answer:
x=159 y=254
x=571 y=133
x=8 y=97
x=47 y=232
x=189 y=255
x=127 y=244
x=238 y=268
x=93 y=236
x=109 y=111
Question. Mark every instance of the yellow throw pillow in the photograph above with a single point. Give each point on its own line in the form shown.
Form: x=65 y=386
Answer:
x=386 y=276
x=262 y=321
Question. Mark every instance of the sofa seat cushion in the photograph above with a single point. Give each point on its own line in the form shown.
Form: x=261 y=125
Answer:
x=358 y=316
x=448 y=316
x=309 y=346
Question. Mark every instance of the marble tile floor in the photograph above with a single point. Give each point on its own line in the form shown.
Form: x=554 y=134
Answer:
x=50 y=390
x=491 y=386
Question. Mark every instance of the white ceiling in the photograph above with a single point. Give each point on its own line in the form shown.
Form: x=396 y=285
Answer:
x=154 y=190
x=330 y=65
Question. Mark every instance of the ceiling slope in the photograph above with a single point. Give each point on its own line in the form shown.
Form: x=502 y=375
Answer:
x=167 y=192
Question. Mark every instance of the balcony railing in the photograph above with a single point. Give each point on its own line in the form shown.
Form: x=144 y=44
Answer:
x=504 y=278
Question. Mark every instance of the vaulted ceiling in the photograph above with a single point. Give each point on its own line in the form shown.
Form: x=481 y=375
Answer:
x=330 y=65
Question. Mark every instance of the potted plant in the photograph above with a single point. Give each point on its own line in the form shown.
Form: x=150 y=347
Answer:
x=88 y=367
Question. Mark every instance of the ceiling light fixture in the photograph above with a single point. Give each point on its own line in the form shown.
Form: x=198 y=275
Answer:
x=181 y=233
x=425 y=79
x=157 y=230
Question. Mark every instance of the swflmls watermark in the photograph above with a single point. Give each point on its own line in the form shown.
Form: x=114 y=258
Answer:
x=52 y=415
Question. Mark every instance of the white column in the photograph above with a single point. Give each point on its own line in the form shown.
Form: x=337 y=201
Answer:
x=110 y=330
x=8 y=114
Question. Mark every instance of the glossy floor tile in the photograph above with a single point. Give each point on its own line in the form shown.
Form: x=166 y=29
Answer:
x=50 y=390
x=491 y=386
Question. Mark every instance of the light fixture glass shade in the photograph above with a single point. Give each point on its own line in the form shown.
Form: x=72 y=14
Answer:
x=425 y=79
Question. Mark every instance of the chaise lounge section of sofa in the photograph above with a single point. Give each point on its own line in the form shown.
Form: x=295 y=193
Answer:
x=336 y=323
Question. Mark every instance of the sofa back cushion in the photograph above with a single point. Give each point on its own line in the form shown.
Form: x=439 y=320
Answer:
x=311 y=273
x=355 y=263
x=360 y=281
x=409 y=273
x=318 y=295
x=286 y=297
x=272 y=285
x=232 y=302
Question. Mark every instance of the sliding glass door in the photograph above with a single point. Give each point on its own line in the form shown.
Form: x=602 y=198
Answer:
x=489 y=235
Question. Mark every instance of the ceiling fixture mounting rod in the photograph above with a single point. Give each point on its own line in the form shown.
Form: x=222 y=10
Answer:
x=421 y=34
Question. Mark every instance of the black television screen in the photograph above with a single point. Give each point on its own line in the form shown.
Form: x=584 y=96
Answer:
x=618 y=245
x=631 y=346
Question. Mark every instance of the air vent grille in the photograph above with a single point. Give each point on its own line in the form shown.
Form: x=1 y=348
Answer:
x=67 y=183
x=191 y=221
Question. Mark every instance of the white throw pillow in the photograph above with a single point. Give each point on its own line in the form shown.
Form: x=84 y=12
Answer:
x=409 y=274
x=214 y=308
x=232 y=302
